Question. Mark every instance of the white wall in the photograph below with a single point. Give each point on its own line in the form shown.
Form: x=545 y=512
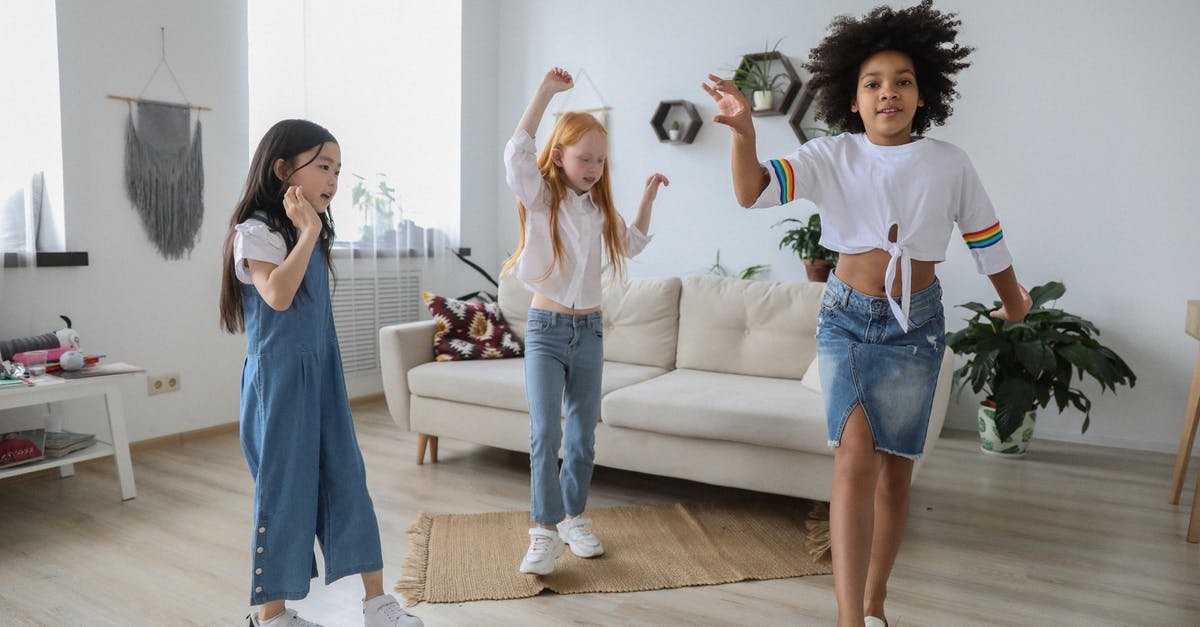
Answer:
x=129 y=302
x=1078 y=115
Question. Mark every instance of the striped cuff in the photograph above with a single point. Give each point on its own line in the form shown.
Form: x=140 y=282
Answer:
x=787 y=180
x=984 y=237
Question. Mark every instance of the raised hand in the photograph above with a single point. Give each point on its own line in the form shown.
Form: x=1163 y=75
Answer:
x=1013 y=316
x=300 y=211
x=557 y=79
x=735 y=109
x=652 y=184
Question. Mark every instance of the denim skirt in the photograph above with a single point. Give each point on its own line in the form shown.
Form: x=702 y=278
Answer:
x=866 y=359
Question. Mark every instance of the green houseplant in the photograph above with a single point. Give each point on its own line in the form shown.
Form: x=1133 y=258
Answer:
x=805 y=240
x=754 y=77
x=1023 y=366
x=750 y=273
x=376 y=201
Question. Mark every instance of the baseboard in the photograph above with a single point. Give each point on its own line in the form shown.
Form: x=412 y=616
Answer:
x=366 y=399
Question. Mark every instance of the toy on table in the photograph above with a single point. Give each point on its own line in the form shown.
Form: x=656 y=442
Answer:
x=62 y=340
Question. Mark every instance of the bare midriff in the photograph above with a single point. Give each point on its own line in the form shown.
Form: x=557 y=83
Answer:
x=865 y=273
x=548 y=304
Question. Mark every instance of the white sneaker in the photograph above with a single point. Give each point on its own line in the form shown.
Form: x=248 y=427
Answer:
x=544 y=547
x=385 y=611
x=872 y=621
x=287 y=618
x=577 y=534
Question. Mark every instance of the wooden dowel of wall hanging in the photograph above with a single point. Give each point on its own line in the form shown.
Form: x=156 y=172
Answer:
x=129 y=99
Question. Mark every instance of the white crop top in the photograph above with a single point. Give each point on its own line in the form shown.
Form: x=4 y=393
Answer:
x=575 y=282
x=861 y=190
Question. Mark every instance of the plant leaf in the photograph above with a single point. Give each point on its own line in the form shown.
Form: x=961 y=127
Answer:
x=1043 y=294
x=1014 y=397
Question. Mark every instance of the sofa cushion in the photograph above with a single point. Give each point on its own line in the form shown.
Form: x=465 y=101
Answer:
x=774 y=412
x=501 y=382
x=641 y=321
x=514 y=302
x=469 y=330
x=748 y=327
x=641 y=318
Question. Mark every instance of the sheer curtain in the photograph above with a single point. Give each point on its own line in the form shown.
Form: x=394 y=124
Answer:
x=384 y=76
x=31 y=188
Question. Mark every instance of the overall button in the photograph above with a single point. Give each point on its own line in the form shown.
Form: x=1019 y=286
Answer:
x=262 y=529
x=258 y=588
x=260 y=549
x=257 y=571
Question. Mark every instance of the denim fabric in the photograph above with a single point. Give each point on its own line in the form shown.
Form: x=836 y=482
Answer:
x=564 y=361
x=867 y=359
x=298 y=438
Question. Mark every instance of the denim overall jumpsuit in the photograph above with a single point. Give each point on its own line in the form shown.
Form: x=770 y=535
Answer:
x=298 y=438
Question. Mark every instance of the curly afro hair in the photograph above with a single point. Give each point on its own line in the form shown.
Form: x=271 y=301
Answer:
x=923 y=33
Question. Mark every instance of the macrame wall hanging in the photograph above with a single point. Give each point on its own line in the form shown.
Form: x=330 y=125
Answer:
x=164 y=168
x=600 y=111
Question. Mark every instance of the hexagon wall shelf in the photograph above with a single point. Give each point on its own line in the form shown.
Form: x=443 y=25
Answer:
x=688 y=133
x=789 y=92
x=796 y=119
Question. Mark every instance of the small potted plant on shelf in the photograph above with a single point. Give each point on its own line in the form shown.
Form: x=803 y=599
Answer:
x=1022 y=365
x=805 y=240
x=673 y=132
x=755 y=78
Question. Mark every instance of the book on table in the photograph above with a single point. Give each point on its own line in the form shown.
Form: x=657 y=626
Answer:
x=59 y=443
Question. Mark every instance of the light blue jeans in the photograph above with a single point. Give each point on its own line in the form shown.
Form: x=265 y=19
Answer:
x=564 y=361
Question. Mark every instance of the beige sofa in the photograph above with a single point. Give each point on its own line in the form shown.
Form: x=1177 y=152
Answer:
x=705 y=378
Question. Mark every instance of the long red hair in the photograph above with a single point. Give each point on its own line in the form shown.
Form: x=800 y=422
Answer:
x=571 y=128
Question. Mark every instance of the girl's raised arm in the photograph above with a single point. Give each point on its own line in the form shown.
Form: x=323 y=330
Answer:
x=749 y=178
x=556 y=80
x=278 y=284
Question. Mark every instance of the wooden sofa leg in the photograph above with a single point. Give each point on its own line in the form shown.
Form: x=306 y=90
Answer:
x=433 y=441
x=422 y=441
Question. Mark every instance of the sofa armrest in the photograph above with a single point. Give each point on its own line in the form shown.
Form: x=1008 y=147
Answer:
x=403 y=347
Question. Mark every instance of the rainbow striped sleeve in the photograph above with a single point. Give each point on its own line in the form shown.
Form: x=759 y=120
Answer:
x=787 y=180
x=984 y=237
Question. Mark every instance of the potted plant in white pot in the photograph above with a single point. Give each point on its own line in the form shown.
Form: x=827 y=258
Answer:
x=1022 y=366
x=805 y=241
x=755 y=78
x=673 y=132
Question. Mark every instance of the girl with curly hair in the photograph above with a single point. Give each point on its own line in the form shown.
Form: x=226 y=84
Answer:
x=888 y=198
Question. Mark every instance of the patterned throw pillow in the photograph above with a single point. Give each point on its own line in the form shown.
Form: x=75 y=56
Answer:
x=469 y=330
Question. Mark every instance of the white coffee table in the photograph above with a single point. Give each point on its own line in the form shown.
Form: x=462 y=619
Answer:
x=49 y=389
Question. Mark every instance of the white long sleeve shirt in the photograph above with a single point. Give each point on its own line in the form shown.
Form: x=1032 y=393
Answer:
x=575 y=281
x=862 y=190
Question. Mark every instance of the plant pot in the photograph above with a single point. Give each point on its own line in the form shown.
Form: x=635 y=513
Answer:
x=989 y=440
x=673 y=134
x=817 y=270
x=764 y=100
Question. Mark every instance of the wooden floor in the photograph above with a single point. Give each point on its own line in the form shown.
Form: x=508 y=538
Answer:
x=1073 y=535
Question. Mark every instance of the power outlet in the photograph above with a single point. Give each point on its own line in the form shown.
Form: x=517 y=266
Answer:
x=160 y=383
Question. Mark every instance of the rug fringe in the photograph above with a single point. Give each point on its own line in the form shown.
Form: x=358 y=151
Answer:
x=816 y=539
x=412 y=575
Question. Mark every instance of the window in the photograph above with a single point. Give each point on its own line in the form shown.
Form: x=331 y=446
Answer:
x=384 y=76
x=31 y=171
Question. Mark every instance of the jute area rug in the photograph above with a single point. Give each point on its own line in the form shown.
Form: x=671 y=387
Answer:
x=469 y=557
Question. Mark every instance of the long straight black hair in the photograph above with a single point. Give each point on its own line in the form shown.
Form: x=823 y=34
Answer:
x=262 y=198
